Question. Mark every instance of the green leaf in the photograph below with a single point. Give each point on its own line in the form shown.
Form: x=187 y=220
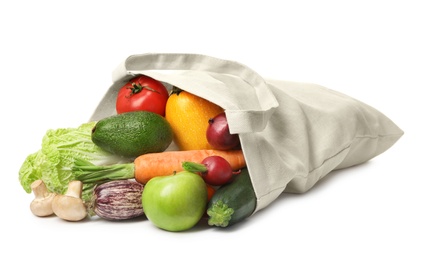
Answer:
x=60 y=150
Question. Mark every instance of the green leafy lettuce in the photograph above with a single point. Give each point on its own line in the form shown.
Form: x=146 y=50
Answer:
x=61 y=148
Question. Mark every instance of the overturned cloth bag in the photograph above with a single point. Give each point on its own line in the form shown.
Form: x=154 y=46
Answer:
x=292 y=134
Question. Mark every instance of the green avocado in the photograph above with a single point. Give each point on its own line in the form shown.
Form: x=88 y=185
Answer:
x=132 y=134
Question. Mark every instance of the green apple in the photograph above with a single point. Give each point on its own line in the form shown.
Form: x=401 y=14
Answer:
x=175 y=202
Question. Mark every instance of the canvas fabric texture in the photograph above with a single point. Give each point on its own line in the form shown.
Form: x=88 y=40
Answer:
x=292 y=133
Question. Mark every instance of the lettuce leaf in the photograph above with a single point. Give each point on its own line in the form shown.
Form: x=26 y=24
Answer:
x=60 y=149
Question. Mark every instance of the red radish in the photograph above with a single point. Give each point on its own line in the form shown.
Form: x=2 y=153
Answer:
x=218 y=133
x=215 y=170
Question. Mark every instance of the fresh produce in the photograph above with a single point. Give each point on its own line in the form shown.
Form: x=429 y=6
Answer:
x=175 y=202
x=59 y=150
x=118 y=168
x=41 y=206
x=70 y=206
x=133 y=133
x=218 y=134
x=188 y=116
x=151 y=165
x=232 y=202
x=210 y=191
x=142 y=93
x=118 y=200
x=215 y=170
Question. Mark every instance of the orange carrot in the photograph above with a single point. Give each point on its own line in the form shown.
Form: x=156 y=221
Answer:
x=210 y=191
x=151 y=165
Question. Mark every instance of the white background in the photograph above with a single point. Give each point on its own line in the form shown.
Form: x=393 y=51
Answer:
x=56 y=60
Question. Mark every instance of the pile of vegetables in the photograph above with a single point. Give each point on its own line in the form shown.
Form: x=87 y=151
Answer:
x=119 y=167
x=60 y=150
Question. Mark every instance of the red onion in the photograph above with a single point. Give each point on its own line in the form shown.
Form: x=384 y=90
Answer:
x=218 y=134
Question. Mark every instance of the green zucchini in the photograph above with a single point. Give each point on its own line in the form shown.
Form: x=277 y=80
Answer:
x=232 y=202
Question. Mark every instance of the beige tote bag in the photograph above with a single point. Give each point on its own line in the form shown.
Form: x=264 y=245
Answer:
x=292 y=134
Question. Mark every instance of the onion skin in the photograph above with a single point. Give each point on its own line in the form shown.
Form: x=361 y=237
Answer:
x=218 y=134
x=118 y=200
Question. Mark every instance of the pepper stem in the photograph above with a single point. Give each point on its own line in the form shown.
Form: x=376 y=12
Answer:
x=175 y=90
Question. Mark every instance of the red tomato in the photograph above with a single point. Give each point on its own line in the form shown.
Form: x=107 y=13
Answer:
x=142 y=93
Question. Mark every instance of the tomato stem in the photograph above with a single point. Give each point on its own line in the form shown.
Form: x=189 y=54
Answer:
x=137 y=88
